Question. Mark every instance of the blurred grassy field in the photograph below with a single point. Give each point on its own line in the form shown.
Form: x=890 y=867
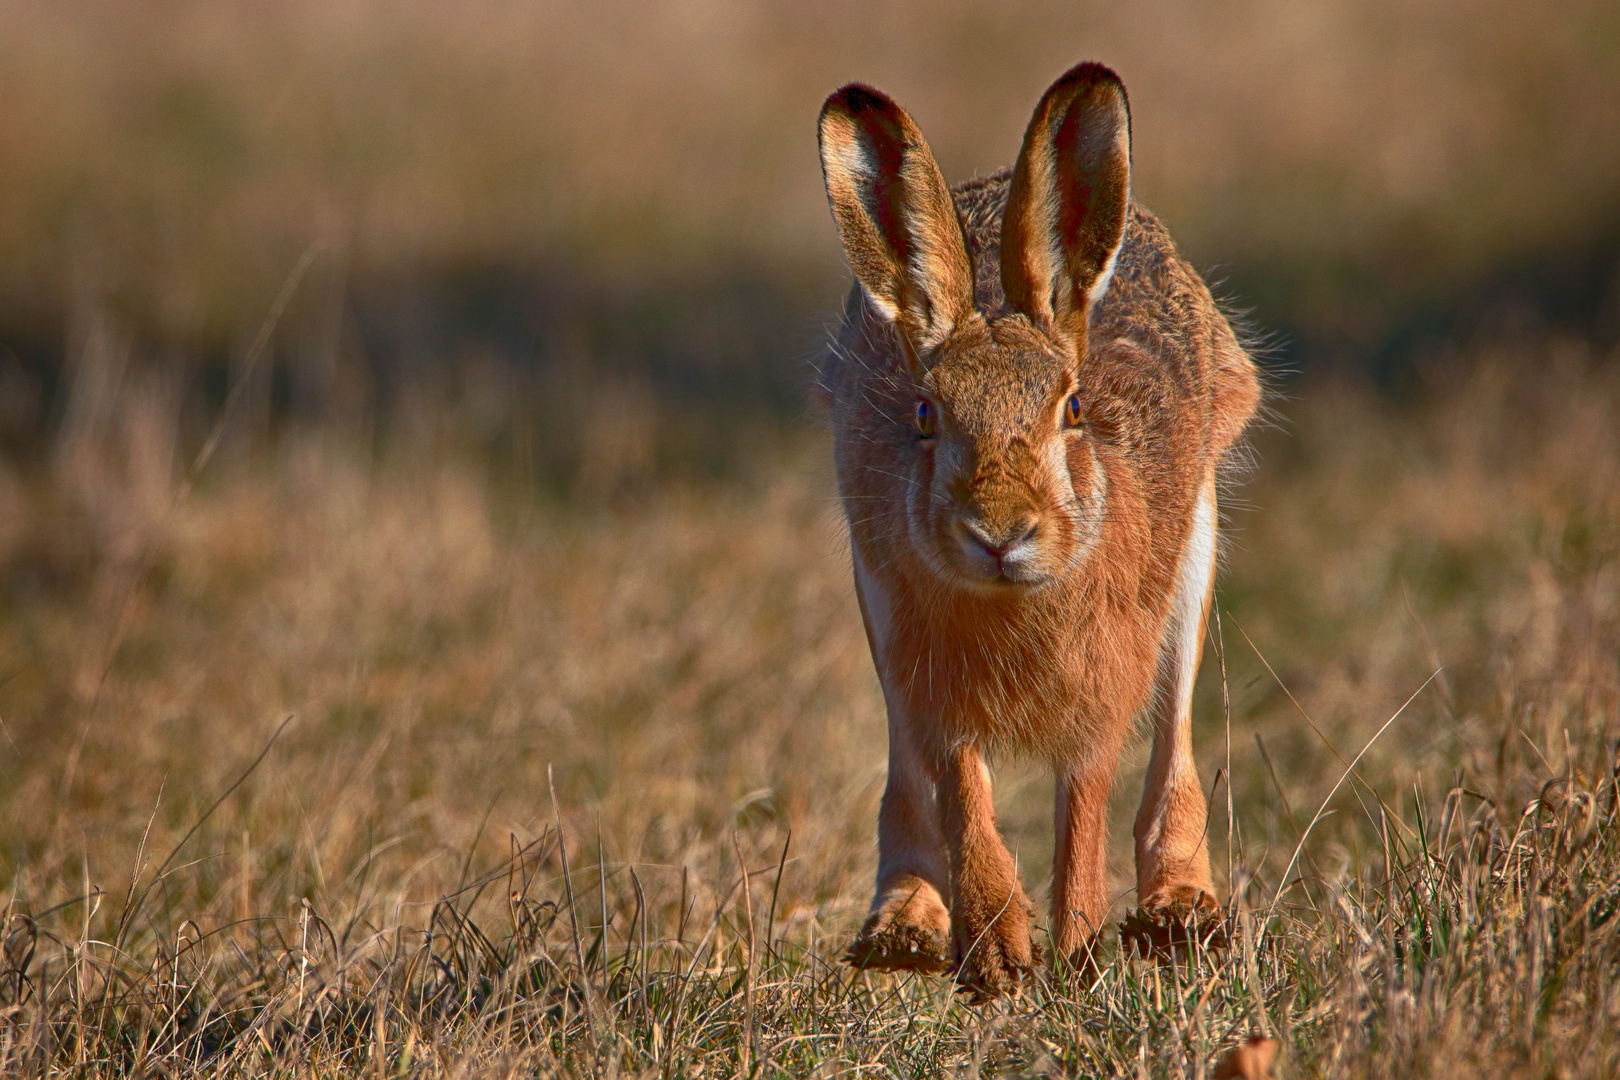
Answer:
x=303 y=617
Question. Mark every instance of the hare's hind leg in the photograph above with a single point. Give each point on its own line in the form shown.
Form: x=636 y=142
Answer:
x=1080 y=863
x=1172 y=849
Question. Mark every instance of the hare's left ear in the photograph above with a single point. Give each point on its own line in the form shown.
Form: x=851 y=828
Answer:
x=1066 y=210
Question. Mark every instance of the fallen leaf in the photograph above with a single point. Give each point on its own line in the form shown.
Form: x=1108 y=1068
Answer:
x=1250 y=1061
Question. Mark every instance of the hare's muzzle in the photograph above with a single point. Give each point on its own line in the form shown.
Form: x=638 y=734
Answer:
x=999 y=551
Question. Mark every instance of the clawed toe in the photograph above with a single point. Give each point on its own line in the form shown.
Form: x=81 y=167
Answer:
x=985 y=981
x=899 y=947
x=1170 y=923
x=998 y=962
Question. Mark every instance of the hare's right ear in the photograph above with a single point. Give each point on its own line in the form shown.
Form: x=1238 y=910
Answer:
x=895 y=215
x=1066 y=208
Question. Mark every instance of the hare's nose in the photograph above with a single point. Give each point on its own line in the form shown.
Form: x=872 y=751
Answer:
x=1000 y=543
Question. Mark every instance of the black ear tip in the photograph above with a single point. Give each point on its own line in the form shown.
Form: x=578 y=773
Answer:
x=857 y=99
x=1091 y=73
x=1087 y=79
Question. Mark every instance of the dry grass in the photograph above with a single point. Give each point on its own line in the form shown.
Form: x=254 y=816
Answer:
x=380 y=888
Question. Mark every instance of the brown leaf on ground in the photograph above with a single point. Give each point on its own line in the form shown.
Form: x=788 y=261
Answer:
x=1251 y=1060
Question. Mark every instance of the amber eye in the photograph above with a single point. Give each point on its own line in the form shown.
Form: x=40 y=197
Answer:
x=1071 y=411
x=925 y=418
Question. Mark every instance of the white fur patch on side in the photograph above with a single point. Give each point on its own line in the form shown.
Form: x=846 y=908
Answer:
x=1178 y=669
x=1192 y=588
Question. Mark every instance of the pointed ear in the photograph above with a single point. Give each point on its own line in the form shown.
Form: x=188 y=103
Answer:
x=1066 y=209
x=895 y=215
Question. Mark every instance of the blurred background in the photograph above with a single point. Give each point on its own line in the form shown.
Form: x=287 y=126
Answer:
x=515 y=307
x=539 y=217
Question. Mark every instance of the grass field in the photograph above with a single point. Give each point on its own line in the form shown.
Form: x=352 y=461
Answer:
x=279 y=754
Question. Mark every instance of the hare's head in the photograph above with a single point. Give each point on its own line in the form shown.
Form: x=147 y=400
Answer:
x=1004 y=488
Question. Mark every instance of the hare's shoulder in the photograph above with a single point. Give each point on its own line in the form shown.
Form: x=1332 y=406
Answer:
x=1155 y=293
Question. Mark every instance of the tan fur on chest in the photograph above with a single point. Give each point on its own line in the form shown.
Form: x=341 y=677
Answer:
x=1050 y=672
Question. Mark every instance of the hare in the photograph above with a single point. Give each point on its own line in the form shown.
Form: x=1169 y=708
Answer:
x=1032 y=393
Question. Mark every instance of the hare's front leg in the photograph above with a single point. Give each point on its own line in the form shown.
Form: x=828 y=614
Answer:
x=1172 y=843
x=989 y=912
x=908 y=927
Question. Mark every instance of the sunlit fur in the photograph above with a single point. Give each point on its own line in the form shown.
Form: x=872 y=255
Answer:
x=1026 y=584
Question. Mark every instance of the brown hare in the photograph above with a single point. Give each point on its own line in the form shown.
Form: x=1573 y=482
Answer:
x=1032 y=393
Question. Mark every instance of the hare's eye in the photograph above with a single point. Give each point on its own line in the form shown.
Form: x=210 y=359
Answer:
x=1071 y=412
x=925 y=418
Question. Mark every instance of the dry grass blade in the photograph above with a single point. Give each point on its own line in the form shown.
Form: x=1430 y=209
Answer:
x=132 y=906
x=573 y=918
x=1282 y=882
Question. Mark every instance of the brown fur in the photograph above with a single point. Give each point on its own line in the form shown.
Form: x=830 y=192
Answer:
x=1019 y=576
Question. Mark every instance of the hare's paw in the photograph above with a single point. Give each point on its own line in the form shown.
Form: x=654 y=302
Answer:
x=1181 y=901
x=995 y=958
x=909 y=929
x=1171 y=920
